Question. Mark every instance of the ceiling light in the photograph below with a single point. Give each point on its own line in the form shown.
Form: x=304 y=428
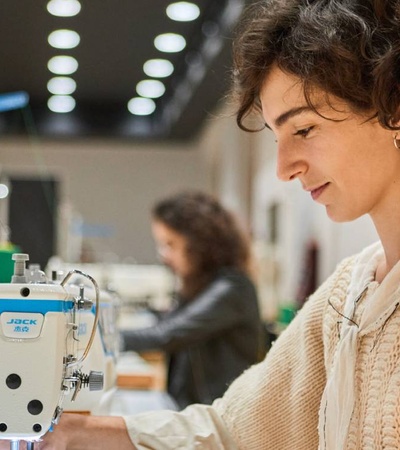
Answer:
x=150 y=88
x=4 y=191
x=64 y=8
x=64 y=39
x=62 y=65
x=141 y=106
x=158 y=68
x=61 y=86
x=170 y=42
x=61 y=103
x=183 y=11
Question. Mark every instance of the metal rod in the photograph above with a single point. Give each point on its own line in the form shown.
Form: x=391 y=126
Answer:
x=14 y=445
x=96 y=316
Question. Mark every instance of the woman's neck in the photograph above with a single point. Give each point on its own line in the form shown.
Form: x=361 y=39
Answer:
x=387 y=227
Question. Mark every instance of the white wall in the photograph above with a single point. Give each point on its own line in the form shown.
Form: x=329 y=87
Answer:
x=228 y=153
x=109 y=185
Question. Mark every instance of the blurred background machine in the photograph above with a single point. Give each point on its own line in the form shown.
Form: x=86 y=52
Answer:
x=142 y=288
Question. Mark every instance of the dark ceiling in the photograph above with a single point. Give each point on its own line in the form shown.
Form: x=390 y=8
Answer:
x=116 y=39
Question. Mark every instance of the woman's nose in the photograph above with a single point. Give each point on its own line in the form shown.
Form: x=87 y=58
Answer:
x=290 y=165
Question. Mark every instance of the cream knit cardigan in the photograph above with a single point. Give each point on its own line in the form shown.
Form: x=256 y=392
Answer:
x=274 y=404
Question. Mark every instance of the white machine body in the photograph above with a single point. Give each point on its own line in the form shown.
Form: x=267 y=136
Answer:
x=36 y=337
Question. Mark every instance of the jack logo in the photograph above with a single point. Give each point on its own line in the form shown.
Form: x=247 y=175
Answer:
x=21 y=325
x=22 y=322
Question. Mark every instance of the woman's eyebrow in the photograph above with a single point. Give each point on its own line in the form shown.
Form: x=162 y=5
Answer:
x=292 y=112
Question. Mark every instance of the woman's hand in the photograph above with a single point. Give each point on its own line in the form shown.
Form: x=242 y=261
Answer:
x=78 y=432
x=57 y=439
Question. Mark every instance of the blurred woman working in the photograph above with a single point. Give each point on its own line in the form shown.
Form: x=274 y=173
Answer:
x=214 y=332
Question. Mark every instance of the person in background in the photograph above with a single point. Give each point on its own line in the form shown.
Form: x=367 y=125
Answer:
x=324 y=76
x=216 y=321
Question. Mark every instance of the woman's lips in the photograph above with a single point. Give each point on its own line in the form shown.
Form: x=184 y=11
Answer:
x=315 y=193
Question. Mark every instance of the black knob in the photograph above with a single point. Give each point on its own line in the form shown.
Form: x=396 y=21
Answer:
x=13 y=381
x=37 y=428
x=35 y=407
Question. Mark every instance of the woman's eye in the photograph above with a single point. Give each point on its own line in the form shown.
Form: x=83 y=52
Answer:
x=304 y=132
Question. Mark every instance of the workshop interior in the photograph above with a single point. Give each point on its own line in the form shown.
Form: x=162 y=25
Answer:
x=105 y=108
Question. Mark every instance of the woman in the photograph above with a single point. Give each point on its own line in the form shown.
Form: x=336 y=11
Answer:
x=216 y=320
x=325 y=76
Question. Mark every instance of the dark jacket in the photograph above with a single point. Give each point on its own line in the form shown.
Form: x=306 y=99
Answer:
x=210 y=340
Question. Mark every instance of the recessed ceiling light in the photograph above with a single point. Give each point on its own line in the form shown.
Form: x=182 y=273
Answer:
x=62 y=65
x=4 y=191
x=158 y=68
x=63 y=8
x=141 y=106
x=183 y=11
x=64 y=39
x=61 y=103
x=61 y=86
x=150 y=88
x=170 y=42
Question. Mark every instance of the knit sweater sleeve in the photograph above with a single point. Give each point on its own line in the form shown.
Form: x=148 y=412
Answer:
x=274 y=405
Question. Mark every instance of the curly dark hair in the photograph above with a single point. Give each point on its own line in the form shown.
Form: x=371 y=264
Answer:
x=348 y=48
x=215 y=239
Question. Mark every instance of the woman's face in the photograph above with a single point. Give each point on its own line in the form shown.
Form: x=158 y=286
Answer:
x=349 y=165
x=172 y=248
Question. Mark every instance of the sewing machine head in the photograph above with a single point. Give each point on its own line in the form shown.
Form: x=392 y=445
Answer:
x=39 y=348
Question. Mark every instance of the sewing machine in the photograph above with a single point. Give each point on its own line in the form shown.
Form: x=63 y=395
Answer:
x=41 y=350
